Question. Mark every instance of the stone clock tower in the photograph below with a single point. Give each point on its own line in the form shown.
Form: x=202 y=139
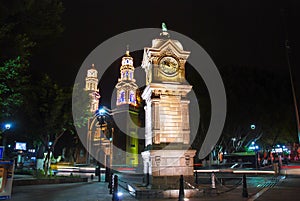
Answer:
x=167 y=131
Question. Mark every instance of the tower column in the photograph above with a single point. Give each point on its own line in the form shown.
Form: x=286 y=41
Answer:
x=167 y=114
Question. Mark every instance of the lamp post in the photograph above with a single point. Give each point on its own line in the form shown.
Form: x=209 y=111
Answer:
x=111 y=152
x=233 y=143
x=6 y=127
x=254 y=147
x=101 y=115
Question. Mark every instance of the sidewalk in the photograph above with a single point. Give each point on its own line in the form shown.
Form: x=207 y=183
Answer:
x=81 y=191
x=98 y=191
x=221 y=192
x=258 y=188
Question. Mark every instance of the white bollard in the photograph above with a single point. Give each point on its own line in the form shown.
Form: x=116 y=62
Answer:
x=213 y=183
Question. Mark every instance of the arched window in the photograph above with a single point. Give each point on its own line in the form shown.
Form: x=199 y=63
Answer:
x=132 y=97
x=122 y=96
x=131 y=75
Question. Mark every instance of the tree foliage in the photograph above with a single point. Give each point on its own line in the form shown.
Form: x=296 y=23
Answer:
x=259 y=97
x=13 y=81
x=49 y=114
x=25 y=25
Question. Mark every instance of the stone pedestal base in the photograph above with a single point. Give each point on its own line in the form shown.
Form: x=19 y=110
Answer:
x=165 y=167
x=169 y=182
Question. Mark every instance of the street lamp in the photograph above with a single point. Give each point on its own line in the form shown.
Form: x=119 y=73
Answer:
x=101 y=115
x=6 y=127
x=101 y=111
x=254 y=147
x=98 y=116
x=233 y=141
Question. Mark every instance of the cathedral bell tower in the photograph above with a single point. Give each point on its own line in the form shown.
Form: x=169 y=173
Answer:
x=93 y=134
x=126 y=114
x=91 y=83
x=126 y=86
x=167 y=129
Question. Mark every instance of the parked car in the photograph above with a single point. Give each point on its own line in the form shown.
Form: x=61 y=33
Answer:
x=238 y=165
x=29 y=164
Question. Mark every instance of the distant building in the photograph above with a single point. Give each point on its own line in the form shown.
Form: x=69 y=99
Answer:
x=93 y=136
x=126 y=116
x=91 y=85
x=121 y=128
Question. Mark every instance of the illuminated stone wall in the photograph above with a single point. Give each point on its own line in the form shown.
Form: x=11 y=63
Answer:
x=170 y=119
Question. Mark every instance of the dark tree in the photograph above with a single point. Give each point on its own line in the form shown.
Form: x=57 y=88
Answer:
x=25 y=26
x=48 y=115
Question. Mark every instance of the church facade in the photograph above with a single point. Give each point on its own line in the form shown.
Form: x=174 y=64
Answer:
x=126 y=116
x=115 y=141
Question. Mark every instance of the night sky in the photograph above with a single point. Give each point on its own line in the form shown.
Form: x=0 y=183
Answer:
x=233 y=32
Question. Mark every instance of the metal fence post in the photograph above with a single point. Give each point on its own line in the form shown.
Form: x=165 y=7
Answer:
x=110 y=181
x=245 y=191
x=115 y=191
x=107 y=173
x=181 y=189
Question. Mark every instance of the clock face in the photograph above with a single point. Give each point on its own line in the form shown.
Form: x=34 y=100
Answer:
x=169 y=65
x=91 y=73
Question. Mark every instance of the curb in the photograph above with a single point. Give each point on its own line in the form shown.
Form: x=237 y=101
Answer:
x=23 y=182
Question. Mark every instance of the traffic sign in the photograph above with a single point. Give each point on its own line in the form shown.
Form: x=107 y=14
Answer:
x=1 y=152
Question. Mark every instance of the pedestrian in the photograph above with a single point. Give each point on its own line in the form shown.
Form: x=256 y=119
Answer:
x=276 y=163
x=220 y=156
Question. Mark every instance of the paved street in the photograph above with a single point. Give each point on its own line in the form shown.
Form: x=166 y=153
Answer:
x=287 y=188
x=259 y=187
x=91 y=191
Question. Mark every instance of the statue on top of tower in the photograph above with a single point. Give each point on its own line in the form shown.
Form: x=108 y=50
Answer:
x=164 y=27
x=164 y=32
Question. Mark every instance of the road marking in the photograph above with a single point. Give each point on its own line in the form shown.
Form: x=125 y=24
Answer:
x=208 y=170
x=257 y=195
x=237 y=171
x=253 y=172
x=254 y=197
